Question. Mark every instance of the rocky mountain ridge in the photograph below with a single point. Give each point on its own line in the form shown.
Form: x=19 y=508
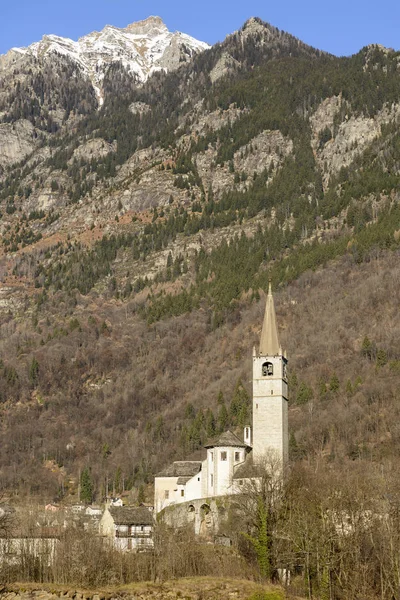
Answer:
x=142 y=48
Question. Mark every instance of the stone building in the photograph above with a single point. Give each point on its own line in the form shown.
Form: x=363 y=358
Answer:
x=230 y=460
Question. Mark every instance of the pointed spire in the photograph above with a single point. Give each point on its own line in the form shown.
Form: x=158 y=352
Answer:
x=269 y=343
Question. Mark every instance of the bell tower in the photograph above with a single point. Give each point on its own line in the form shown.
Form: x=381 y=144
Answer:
x=270 y=392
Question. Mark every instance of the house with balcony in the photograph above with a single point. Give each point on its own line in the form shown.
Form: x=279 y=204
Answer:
x=128 y=528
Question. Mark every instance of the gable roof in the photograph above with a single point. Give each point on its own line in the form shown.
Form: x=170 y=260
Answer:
x=124 y=515
x=226 y=439
x=181 y=468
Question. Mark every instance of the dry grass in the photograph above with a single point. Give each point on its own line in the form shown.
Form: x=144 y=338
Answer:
x=195 y=588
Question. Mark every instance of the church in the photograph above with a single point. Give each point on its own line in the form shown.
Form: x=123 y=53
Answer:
x=224 y=468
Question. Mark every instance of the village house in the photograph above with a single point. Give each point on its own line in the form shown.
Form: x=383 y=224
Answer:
x=128 y=528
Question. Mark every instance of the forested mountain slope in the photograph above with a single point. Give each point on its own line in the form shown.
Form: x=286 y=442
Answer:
x=136 y=240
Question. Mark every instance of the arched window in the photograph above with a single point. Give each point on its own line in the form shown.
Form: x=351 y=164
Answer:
x=205 y=510
x=267 y=369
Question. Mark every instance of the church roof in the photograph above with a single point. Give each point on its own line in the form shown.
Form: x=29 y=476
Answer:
x=269 y=342
x=125 y=515
x=248 y=470
x=227 y=439
x=183 y=480
x=181 y=468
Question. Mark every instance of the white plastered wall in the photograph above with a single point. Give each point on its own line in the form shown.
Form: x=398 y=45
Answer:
x=193 y=488
x=222 y=470
x=161 y=486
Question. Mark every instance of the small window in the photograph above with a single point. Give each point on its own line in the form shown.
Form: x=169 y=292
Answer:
x=212 y=480
x=212 y=456
x=272 y=392
x=237 y=456
x=224 y=455
x=182 y=493
x=198 y=479
x=166 y=494
x=142 y=528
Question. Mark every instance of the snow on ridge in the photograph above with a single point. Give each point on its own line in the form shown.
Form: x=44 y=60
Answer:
x=19 y=50
x=141 y=47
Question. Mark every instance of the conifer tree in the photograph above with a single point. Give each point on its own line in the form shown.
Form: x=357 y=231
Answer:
x=86 y=488
x=34 y=371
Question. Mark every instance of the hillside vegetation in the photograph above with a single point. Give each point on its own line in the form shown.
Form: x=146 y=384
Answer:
x=136 y=244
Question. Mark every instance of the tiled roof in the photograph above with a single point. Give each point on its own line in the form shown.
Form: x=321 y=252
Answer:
x=227 y=439
x=124 y=515
x=249 y=470
x=181 y=468
x=183 y=480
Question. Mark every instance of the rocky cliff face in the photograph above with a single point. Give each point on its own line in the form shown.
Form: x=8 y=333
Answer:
x=17 y=141
x=349 y=136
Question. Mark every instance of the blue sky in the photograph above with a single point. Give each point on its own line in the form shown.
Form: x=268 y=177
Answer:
x=338 y=26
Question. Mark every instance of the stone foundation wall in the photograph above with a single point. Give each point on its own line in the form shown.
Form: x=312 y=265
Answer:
x=206 y=515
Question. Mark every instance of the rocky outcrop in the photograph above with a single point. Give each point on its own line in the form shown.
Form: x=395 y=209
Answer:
x=17 y=141
x=336 y=145
x=216 y=119
x=214 y=176
x=96 y=148
x=225 y=65
x=139 y=108
x=266 y=150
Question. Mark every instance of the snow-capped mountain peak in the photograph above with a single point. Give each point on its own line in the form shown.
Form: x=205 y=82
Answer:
x=142 y=47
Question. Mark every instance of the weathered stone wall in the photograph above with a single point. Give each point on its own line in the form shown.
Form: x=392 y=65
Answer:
x=206 y=515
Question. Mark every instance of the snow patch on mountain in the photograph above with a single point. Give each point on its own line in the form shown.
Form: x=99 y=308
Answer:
x=143 y=48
